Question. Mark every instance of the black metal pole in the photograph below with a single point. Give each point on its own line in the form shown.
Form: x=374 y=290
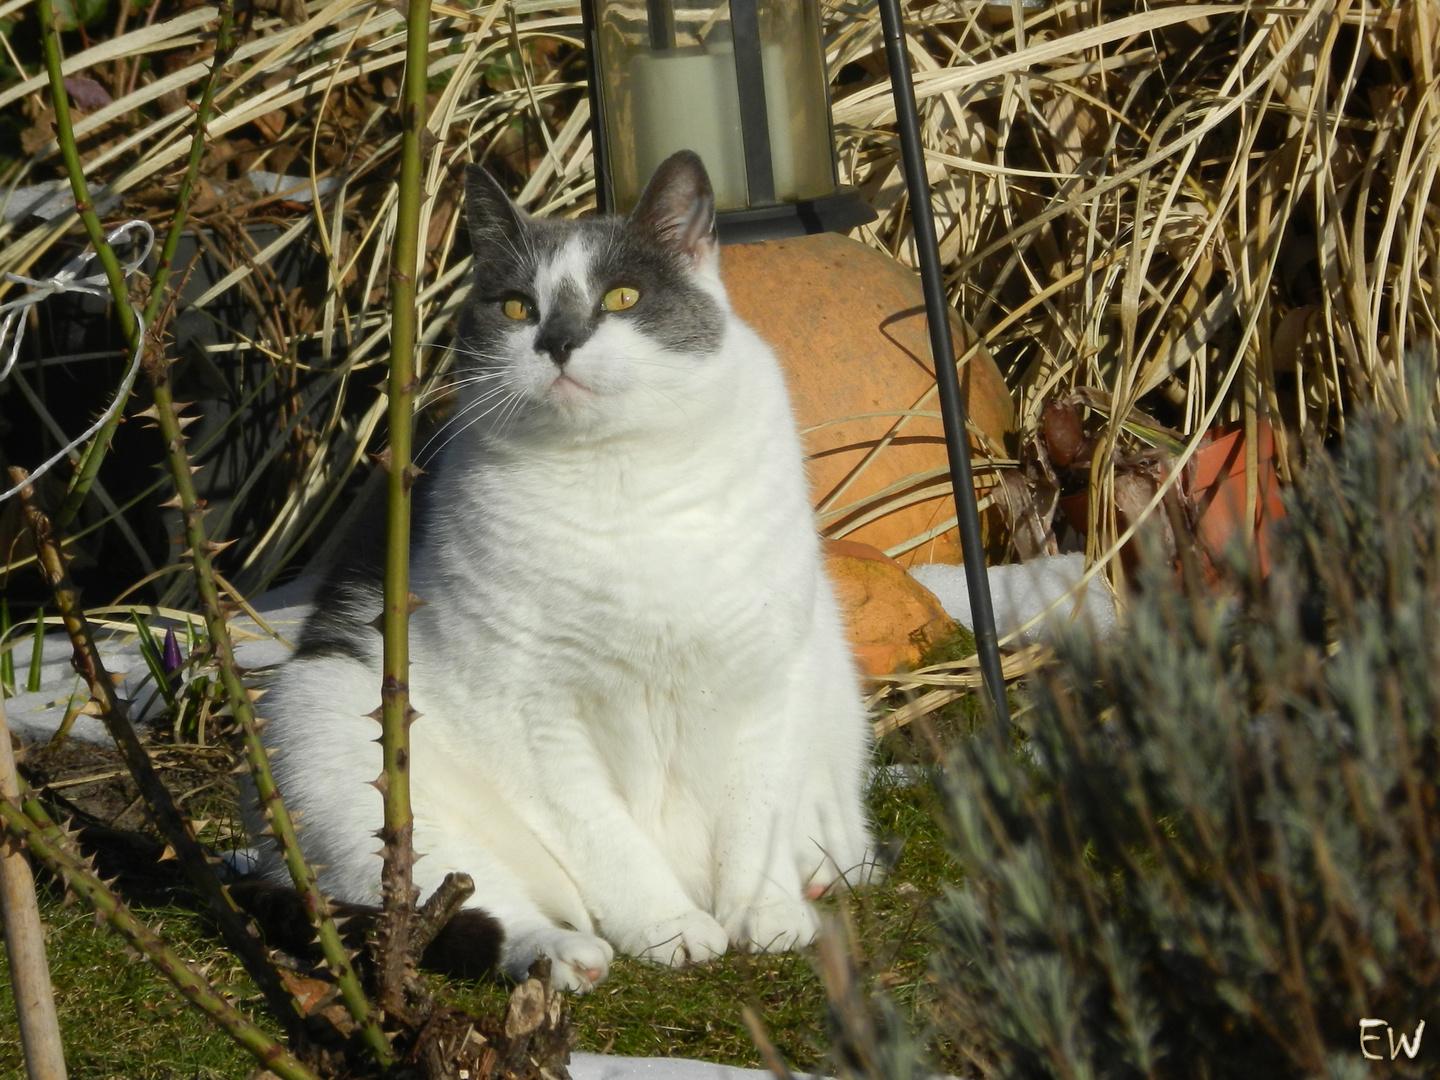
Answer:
x=600 y=137
x=661 y=16
x=754 y=113
x=942 y=350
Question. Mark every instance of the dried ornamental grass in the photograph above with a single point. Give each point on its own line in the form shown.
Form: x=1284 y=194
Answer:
x=1178 y=215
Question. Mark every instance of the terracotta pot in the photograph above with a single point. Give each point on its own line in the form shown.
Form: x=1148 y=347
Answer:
x=1215 y=485
x=1218 y=488
x=848 y=324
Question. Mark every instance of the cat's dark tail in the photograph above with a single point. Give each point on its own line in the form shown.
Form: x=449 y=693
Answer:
x=468 y=946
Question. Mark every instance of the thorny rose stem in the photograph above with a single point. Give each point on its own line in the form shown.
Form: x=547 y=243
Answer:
x=397 y=888
x=166 y=415
x=48 y=843
x=167 y=816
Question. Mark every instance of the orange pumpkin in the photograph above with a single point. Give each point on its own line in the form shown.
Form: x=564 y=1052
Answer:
x=848 y=324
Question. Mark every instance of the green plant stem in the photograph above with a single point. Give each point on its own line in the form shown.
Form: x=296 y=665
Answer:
x=37 y=654
x=192 y=508
x=7 y=658
x=224 y=48
x=47 y=842
x=272 y=806
x=129 y=325
x=394 y=956
x=234 y=925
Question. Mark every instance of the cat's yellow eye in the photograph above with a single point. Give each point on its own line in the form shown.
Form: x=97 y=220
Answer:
x=620 y=299
x=515 y=308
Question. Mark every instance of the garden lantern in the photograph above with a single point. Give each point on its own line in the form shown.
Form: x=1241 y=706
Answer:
x=743 y=85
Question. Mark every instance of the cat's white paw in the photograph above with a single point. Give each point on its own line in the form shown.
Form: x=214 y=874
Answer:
x=778 y=926
x=578 y=962
x=691 y=938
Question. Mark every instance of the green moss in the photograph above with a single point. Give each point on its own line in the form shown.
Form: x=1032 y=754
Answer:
x=955 y=646
x=923 y=740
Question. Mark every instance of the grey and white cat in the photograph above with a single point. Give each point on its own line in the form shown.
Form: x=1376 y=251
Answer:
x=640 y=724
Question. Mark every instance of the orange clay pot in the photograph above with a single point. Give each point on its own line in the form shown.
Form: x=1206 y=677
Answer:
x=1218 y=488
x=1215 y=484
x=848 y=324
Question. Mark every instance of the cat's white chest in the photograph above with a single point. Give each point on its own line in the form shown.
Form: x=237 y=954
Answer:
x=666 y=554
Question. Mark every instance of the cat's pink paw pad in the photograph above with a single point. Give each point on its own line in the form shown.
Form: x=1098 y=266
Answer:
x=691 y=938
x=774 y=927
x=578 y=962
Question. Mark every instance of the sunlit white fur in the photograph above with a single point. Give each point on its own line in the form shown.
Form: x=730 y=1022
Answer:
x=640 y=724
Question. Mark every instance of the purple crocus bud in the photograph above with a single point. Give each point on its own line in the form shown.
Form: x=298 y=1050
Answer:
x=171 y=657
x=87 y=93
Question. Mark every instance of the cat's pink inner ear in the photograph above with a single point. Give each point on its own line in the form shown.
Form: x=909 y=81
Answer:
x=678 y=207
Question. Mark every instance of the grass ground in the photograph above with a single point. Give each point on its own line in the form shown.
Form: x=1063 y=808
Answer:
x=120 y=1021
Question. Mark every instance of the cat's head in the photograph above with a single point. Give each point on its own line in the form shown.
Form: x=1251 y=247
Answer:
x=592 y=327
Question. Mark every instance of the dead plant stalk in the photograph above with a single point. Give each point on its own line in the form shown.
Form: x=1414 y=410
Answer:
x=25 y=942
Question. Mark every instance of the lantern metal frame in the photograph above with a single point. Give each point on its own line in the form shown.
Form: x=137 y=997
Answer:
x=765 y=217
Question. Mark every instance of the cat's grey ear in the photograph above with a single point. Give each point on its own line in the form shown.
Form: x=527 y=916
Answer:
x=491 y=215
x=678 y=207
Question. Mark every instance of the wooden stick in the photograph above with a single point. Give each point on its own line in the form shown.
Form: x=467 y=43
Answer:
x=25 y=942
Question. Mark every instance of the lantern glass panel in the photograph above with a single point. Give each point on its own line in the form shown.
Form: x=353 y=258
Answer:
x=668 y=83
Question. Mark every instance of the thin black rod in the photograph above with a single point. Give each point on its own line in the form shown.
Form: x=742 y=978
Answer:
x=661 y=15
x=754 y=114
x=942 y=350
x=600 y=137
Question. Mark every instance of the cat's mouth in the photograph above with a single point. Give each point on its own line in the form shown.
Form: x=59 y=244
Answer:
x=567 y=388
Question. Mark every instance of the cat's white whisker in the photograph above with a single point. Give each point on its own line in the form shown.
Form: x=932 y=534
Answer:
x=471 y=413
x=477 y=411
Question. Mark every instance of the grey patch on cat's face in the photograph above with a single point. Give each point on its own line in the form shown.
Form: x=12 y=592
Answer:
x=510 y=249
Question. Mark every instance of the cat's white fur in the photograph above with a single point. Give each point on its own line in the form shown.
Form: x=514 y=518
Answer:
x=639 y=720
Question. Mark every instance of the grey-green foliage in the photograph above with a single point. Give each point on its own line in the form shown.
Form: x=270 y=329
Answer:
x=1217 y=851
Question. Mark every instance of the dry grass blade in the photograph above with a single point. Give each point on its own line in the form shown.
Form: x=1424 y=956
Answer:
x=1215 y=212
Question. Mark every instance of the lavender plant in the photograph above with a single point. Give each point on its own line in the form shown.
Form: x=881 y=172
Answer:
x=1216 y=854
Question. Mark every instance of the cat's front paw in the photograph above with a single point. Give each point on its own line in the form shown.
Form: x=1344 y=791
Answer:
x=778 y=926
x=578 y=961
x=691 y=938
